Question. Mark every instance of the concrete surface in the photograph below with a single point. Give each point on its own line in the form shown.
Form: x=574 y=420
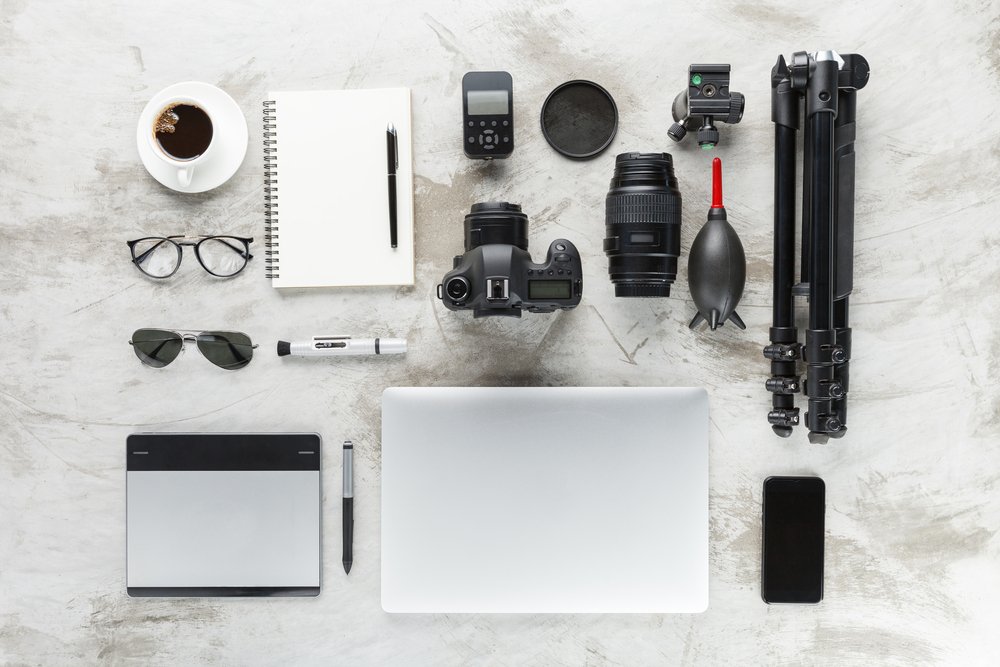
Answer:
x=913 y=503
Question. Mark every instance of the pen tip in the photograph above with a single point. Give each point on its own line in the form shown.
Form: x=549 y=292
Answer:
x=390 y=128
x=347 y=566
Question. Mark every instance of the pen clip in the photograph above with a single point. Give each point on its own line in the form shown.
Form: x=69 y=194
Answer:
x=338 y=337
x=391 y=129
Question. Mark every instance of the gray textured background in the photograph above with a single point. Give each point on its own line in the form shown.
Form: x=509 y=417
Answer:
x=913 y=510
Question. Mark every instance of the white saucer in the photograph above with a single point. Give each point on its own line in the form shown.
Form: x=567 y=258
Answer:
x=231 y=137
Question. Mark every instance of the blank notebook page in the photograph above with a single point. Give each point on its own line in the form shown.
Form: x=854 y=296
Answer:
x=332 y=219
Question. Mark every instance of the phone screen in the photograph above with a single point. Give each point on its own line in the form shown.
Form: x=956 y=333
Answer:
x=792 y=561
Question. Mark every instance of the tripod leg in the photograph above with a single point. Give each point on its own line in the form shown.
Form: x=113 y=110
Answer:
x=845 y=132
x=784 y=348
x=821 y=113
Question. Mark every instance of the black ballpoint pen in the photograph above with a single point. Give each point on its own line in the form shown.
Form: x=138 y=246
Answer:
x=348 y=505
x=392 y=159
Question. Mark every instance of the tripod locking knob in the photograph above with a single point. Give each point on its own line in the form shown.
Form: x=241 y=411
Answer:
x=708 y=134
x=677 y=131
x=783 y=417
x=783 y=385
x=736 y=104
x=782 y=351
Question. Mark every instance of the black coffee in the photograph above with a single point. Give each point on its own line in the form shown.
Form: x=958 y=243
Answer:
x=183 y=131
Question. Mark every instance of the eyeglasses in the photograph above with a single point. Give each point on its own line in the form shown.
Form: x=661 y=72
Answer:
x=230 y=350
x=160 y=256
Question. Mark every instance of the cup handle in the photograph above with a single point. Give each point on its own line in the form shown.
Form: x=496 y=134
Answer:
x=184 y=175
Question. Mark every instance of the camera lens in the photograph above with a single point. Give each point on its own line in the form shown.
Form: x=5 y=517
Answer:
x=457 y=289
x=496 y=222
x=643 y=225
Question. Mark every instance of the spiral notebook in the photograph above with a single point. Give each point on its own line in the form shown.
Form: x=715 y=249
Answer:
x=325 y=188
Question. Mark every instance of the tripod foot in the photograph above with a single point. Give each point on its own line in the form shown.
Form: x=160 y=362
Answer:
x=783 y=431
x=737 y=320
x=818 y=438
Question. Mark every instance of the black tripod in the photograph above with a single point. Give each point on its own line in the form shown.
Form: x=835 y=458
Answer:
x=828 y=84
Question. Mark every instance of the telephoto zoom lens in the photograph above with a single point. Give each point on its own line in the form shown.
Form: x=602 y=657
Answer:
x=643 y=225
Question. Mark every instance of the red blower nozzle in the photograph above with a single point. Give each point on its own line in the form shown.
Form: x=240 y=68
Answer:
x=717 y=183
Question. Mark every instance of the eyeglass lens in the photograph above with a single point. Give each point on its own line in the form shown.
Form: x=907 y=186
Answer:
x=156 y=347
x=157 y=257
x=222 y=256
x=226 y=349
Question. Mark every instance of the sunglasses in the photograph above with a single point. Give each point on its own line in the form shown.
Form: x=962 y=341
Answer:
x=160 y=256
x=230 y=350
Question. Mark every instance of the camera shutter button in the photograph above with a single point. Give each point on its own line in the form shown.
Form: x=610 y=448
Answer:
x=560 y=247
x=562 y=257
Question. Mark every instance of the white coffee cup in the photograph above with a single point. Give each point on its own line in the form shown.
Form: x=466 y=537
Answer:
x=184 y=167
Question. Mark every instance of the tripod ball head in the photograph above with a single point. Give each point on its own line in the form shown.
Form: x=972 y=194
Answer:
x=706 y=99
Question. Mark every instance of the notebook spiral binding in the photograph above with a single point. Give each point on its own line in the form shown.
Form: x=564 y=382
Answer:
x=270 y=190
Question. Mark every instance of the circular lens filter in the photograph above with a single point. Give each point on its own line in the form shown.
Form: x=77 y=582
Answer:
x=579 y=119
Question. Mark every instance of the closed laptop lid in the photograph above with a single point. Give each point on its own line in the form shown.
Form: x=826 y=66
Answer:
x=544 y=500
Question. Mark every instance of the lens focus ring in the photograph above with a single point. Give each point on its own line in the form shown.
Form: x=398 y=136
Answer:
x=638 y=208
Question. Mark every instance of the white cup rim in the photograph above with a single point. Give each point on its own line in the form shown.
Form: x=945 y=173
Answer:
x=155 y=145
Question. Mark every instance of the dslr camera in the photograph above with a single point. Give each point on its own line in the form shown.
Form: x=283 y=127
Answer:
x=496 y=276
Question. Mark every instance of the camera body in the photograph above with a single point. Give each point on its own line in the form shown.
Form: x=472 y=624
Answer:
x=707 y=96
x=495 y=275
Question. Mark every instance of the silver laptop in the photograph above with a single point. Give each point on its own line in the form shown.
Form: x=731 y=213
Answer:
x=223 y=514
x=544 y=500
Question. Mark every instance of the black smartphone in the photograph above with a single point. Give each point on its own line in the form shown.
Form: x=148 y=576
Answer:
x=792 y=559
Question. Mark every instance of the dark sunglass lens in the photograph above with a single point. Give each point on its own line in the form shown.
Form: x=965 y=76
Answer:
x=226 y=349
x=223 y=256
x=156 y=347
x=158 y=257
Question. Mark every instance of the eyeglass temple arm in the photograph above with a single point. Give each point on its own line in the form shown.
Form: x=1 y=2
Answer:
x=158 y=347
x=243 y=252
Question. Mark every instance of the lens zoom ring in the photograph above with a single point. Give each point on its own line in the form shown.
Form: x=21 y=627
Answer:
x=642 y=207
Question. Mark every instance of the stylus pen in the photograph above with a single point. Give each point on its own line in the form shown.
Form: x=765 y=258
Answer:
x=348 y=506
x=392 y=159
x=341 y=346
